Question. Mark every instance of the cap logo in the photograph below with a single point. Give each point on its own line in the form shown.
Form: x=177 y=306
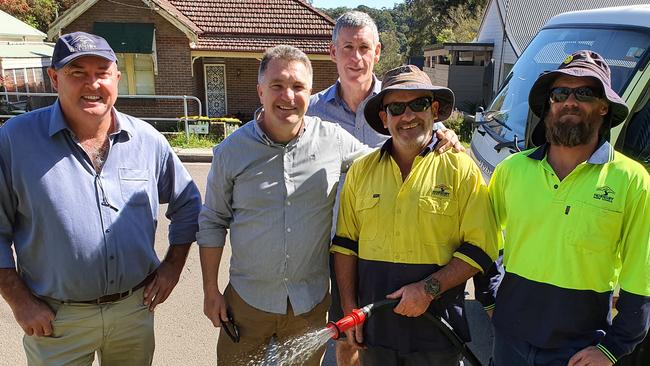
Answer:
x=568 y=59
x=82 y=43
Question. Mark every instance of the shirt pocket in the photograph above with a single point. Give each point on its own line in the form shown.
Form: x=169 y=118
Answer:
x=594 y=229
x=438 y=227
x=367 y=211
x=133 y=184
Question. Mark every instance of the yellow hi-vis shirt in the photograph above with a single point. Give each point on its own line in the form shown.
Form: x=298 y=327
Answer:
x=567 y=244
x=440 y=211
x=402 y=231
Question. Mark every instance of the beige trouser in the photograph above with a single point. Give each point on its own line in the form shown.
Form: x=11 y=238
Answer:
x=120 y=332
x=257 y=327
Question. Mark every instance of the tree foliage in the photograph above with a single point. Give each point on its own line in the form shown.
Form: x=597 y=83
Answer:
x=37 y=13
x=410 y=26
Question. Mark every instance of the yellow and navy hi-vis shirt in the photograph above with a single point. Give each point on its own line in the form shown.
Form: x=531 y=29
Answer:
x=402 y=231
x=567 y=244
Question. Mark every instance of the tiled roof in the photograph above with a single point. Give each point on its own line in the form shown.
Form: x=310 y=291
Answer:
x=254 y=25
x=260 y=43
x=524 y=18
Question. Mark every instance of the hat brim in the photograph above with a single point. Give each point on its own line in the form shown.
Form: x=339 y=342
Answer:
x=444 y=97
x=66 y=60
x=538 y=98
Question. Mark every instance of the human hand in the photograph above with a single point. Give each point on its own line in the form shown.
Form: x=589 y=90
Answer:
x=489 y=313
x=353 y=335
x=414 y=300
x=590 y=356
x=448 y=139
x=215 y=308
x=34 y=316
x=164 y=281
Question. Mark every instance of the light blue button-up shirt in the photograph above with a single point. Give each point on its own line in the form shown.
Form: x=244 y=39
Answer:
x=79 y=235
x=277 y=200
x=329 y=106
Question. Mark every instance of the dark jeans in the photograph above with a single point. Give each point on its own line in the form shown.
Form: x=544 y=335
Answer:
x=509 y=351
x=379 y=356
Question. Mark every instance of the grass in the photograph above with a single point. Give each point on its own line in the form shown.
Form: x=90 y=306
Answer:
x=194 y=142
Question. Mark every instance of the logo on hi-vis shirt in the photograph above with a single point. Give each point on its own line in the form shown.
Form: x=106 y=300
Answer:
x=441 y=190
x=604 y=193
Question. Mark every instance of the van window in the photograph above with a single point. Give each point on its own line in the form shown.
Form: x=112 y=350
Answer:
x=623 y=49
x=637 y=137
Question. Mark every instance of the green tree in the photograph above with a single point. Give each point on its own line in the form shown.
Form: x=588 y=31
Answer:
x=390 y=55
x=37 y=13
x=462 y=24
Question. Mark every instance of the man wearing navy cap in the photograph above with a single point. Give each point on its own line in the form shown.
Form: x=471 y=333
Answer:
x=80 y=185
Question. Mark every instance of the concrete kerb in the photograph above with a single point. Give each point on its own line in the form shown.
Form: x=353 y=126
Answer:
x=194 y=155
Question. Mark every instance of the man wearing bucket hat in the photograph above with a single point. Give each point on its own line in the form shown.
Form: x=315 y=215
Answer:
x=576 y=215
x=413 y=225
x=80 y=185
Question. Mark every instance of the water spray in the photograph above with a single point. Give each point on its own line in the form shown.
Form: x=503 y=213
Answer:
x=359 y=316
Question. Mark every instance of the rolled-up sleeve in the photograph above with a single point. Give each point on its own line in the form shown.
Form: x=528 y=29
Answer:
x=7 y=207
x=176 y=187
x=216 y=213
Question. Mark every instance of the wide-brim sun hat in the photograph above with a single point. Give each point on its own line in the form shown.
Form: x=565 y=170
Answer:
x=584 y=63
x=407 y=77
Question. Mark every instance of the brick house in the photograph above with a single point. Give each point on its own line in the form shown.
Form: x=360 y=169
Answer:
x=206 y=48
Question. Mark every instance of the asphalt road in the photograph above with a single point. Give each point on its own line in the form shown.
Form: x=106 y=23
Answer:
x=184 y=336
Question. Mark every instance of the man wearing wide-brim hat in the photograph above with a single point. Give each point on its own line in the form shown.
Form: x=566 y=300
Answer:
x=413 y=225
x=576 y=215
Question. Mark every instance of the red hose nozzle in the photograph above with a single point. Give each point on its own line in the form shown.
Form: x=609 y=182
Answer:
x=356 y=317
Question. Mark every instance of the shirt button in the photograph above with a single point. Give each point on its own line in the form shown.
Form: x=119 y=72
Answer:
x=108 y=231
x=111 y=257
x=555 y=186
x=286 y=279
x=112 y=282
x=287 y=256
x=288 y=203
x=288 y=229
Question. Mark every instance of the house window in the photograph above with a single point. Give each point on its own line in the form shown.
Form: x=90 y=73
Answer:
x=135 y=47
x=137 y=73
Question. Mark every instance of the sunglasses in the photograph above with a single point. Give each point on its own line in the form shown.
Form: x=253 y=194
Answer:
x=582 y=94
x=416 y=105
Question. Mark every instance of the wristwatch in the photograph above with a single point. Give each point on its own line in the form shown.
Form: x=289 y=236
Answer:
x=432 y=286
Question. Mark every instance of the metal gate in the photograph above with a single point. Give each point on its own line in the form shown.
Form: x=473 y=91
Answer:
x=215 y=90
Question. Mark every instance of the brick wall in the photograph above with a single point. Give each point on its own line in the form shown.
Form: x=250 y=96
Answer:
x=241 y=82
x=173 y=52
x=174 y=66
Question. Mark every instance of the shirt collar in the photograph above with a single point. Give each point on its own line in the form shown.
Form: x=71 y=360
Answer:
x=58 y=122
x=333 y=94
x=259 y=115
x=604 y=153
x=388 y=146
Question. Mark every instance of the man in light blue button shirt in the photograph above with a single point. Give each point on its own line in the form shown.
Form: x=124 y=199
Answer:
x=80 y=185
x=272 y=185
x=356 y=49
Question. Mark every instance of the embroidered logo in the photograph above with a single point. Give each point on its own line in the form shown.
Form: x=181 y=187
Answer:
x=604 y=193
x=82 y=43
x=441 y=190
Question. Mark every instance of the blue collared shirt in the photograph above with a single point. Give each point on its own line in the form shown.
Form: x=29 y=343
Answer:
x=79 y=235
x=276 y=200
x=329 y=106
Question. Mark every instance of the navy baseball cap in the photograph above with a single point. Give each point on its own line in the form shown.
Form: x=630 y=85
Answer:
x=71 y=46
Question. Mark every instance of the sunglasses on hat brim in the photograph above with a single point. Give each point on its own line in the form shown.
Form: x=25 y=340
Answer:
x=582 y=94
x=416 y=105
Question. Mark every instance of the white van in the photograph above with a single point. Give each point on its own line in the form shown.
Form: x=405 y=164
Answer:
x=620 y=34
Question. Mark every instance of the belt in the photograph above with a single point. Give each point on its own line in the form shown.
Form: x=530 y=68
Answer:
x=112 y=297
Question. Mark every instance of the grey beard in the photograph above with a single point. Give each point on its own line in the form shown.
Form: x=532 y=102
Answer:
x=568 y=134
